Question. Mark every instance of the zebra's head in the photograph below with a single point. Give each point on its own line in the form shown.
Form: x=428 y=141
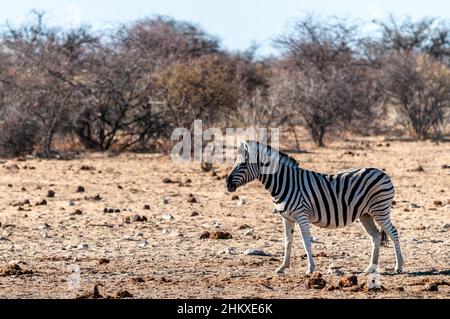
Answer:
x=246 y=168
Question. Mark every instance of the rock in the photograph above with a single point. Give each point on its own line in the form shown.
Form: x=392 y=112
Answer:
x=147 y=207
x=348 y=281
x=220 y=235
x=87 y=168
x=50 y=194
x=165 y=201
x=80 y=189
x=93 y=294
x=234 y=197
x=192 y=199
x=217 y=225
x=241 y=202
x=255 y=252
x=77 y=212
x=143 y=244
x=167 y=217
x=167 y=180
x=127 y=237
x=228 y=251
x=445 y=166
x=315 y=281
x=248 y=232
x=14 y=269
x=193 y=214
x=41 y=203
x=446 y=226
x=205 y=235
x=244 y=226
x=71 y=203
x=136 y=218
x=413 y=205
x=103 y=261
x=137 y=280
x=431 y=286
x=438 y=203
x=83 y=246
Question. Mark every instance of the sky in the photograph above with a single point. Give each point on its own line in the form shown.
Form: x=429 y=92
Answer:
x=238 y=23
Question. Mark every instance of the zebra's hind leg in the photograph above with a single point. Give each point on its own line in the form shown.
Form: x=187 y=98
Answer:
x=385 y=223
x=375 y=237
x=306 y=236
x=288 y=241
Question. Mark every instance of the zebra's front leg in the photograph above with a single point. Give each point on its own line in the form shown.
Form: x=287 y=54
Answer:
x=288 y=241
x=303 y=223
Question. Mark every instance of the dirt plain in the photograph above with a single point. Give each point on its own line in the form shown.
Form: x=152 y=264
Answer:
x=80 y=236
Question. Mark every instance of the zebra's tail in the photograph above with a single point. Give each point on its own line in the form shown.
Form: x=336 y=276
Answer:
x=384 y=239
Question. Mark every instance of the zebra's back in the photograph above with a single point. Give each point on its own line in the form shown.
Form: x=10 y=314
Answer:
x=338 y=200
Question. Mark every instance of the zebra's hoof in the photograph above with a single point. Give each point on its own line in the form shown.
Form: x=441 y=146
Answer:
x=280 y=270
x=310 y=270
x=398 y=270
x=371 y=269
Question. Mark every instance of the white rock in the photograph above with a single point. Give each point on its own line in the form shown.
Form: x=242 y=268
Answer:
x=241 y=202
x=167 y=217
x=143 y=244
x=248 y=232
x=83 y=246
x=127 y=237
x=255 y=252
x=228 y=251
x=217 y=225
x=315 y=240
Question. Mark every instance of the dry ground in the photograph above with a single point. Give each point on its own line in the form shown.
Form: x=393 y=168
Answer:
x=161 y=258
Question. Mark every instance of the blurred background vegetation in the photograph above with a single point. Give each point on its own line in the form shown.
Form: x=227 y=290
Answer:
x=128 y=88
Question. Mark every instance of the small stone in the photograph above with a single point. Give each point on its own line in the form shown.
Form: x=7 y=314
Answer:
x=255 y=252
x=103 y=261
x=437 y=203
x=143 y=244
x=167 y=180
x=77 y=212
x=220 y=235
x=50 y=194
x=80 y=189
x=192 y=199
x=234 y=197
x=248 y=232
x=165 y=201
x=228 y=251
x=167 y=217
x=205 y=235
x=244 y=226
x=71 y=203
x=241 y=202
x=41 y=203
x=446 y=226
x=147 y=207
x=193 y=214
x=83 y=246
x=127 y=237
x=431 y=287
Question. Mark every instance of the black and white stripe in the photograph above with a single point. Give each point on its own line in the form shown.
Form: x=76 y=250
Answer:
x=328 y=201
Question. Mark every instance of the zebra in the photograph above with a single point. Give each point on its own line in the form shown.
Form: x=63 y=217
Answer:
x=328 y=201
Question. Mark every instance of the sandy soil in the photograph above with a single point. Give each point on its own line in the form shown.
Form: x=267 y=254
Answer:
x=55 y=251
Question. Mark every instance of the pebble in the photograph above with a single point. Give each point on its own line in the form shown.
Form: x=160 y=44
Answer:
x=167 y=217
x=255 y=252
x=241 y=202
x=83 y=246
x=248 y=232
x=228 y=251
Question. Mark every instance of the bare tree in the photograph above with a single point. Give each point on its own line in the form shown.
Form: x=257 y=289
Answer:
x=419 y=87
x=333 y=87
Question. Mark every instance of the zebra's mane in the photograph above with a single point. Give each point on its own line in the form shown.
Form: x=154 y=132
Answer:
x=283 y=157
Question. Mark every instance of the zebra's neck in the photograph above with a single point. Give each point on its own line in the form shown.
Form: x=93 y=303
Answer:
x=278 y=184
